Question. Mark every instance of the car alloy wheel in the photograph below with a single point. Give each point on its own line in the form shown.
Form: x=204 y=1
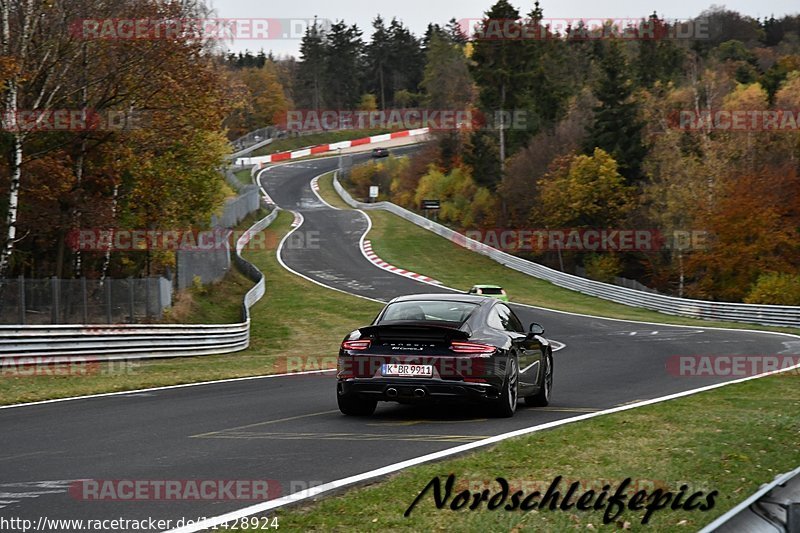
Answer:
x=507 y=403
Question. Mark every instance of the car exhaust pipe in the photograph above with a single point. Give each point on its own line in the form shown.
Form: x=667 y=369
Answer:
x=391 y=393
x=419 y=393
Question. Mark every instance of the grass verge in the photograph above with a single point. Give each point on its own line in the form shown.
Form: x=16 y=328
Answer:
x=282 y=331
x=418 y=250
x=330 y=195
x=731 y=440
x=244 y=176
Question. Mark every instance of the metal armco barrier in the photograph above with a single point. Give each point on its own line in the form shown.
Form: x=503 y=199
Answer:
x=55 y=344
x=770 y=315
x=774 y=508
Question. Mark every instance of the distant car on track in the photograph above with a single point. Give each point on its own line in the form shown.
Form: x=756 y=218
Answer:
x=492 y=291
x=444 y=347
x=380 y=152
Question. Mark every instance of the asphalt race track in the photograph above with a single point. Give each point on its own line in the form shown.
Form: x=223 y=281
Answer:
x=288 y=429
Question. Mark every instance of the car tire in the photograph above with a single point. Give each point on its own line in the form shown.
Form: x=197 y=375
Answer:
x=355 y=406
x=542 y=398
x=506 y=405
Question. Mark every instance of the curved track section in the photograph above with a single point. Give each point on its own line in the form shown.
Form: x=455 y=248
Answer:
x=607 y=362
x=287 y=428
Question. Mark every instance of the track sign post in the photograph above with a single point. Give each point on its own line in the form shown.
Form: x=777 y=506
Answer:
x=373 y=192
x=431 y=205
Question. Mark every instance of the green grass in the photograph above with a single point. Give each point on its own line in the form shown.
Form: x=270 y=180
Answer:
x=330 y=195
x=414 y=248
x=244 y=176
x=731 y=440
x=282 y=327
x=294 y=143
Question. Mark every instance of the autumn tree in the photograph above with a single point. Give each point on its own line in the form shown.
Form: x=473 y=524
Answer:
x=755 y=229
x=264 y=98
x=584 y=191
x=142 y=100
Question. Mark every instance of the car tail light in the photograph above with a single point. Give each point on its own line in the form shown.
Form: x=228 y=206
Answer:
x=472 y=348
x=344 y=368
x=356 y=345
x=475 y=380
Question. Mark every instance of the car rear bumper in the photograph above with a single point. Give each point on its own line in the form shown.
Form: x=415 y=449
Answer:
x=416 y=390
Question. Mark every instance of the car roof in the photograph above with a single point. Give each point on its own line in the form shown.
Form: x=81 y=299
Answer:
x=465 y=298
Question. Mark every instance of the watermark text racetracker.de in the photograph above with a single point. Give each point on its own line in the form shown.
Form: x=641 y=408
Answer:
x=175 y=489
x=345 y=367
x=731 y=365
x=44 y=523
x=127 y=29
x=312 y=120
x=140 y=240
x=581 y=28
x=72 y=120
x=73 y=365
x=586 y=239
x=736 y=120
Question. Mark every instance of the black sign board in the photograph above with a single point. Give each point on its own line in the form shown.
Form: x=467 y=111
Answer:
x=430 y=204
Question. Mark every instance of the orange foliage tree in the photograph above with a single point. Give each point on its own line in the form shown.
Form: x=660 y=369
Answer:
x=755 y=228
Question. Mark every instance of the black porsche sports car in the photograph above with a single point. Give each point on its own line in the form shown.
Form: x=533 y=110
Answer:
x=444 y=347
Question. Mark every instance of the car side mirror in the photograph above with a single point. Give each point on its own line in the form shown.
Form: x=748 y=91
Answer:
x=536 y=329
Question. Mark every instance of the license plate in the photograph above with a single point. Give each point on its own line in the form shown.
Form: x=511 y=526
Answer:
x=407 y=371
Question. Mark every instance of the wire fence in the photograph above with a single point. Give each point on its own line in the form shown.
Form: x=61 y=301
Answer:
x=622 y=282
x=208 y=266
x=28 y=301
x=237 y=209
x=83 y=301
x=49 y=344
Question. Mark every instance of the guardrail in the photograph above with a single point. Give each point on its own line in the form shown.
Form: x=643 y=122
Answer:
x=55 y=344
x=770 y=315
x=255 y=140
x=774 y=508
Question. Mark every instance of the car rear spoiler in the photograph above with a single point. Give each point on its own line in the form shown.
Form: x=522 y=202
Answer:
x=414 y=331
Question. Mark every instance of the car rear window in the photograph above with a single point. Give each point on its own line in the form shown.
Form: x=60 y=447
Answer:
x=432 y=311
x=491 y=290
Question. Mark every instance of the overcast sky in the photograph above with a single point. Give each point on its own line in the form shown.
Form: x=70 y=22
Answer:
x=416 y=14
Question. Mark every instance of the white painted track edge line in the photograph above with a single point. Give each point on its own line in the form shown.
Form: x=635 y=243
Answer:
x=163 y=387
x=316 y=191
x=284 y=265
x=327 y=487
x=388 y=469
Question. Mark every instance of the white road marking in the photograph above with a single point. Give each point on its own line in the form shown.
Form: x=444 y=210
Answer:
x=31 y=489
x=284 y=265
x=383 y=471
x=152 y=389
x=311 y=492
x=315 y=190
